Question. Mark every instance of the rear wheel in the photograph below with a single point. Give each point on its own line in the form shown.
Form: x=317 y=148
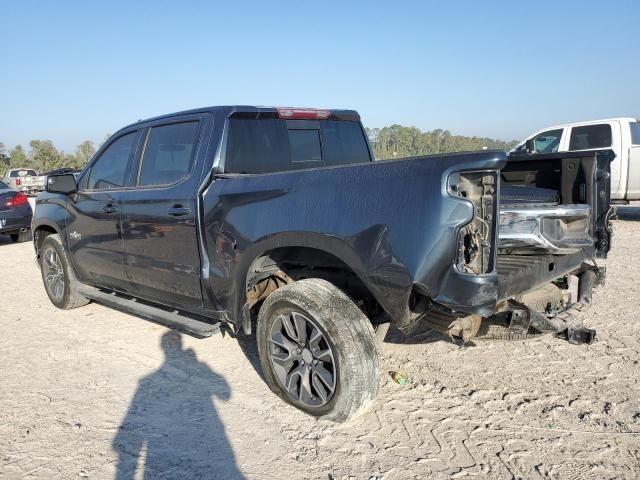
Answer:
x=318 y=351
x=58 y=276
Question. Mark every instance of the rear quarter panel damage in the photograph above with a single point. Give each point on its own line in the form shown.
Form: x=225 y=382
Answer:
x=392 y=222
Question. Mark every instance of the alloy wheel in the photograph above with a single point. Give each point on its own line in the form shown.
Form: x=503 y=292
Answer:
x=302 y=359
x=54 y=273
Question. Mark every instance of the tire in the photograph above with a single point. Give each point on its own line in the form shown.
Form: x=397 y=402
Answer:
x=346 y=333
x=20 y=237
x=53 y=261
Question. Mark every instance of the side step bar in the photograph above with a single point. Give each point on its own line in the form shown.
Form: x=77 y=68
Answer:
x=174 y=319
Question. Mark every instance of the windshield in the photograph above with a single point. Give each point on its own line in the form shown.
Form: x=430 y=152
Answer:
x=3 y=185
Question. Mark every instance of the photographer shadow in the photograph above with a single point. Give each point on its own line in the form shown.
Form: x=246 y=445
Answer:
x=173 y=424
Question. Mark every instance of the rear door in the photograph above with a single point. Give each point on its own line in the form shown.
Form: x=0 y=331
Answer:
x=93 y=224
x=159 y=214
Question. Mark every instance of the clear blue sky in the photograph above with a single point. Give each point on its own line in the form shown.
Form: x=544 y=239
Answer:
x=78 y=70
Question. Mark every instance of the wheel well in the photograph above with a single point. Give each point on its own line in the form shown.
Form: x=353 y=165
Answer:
x=282 y=266
x=40 y=234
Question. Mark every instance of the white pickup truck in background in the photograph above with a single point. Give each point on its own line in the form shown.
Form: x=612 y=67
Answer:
x=622 y=135
x=24 y=180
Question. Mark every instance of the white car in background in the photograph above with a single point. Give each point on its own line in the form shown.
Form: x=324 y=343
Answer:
x=622 y=135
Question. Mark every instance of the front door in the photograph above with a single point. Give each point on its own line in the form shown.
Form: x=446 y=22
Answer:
x=93 y=229
x=159 y=217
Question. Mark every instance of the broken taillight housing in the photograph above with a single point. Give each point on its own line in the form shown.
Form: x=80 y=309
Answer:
x=476 y=240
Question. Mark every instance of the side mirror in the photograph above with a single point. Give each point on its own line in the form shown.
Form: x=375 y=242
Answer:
x=64 y=184
x=530 y=146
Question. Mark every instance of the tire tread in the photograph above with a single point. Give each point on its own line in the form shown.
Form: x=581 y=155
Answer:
x=360 y=353
x=73 y=299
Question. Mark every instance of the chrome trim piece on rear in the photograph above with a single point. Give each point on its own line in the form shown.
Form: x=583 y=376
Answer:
x=558 y=229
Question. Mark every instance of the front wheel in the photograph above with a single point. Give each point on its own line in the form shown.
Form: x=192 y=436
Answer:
x=58 y=276
x=318 y=351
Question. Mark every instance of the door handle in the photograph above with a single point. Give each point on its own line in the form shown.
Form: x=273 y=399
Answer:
x=110 y=209
x=179 y=211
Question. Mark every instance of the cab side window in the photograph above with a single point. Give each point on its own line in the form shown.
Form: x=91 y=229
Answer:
x=548 y=142
x=169 y=153
x=590 y=136
x=109 y=171
x=635 y=133
x=545 y=142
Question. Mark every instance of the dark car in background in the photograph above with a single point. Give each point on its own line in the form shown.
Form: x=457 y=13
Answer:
x=15 y=214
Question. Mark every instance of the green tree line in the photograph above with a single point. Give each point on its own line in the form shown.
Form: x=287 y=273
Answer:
x=395 y=141
x=398 y=141
x=43 y=156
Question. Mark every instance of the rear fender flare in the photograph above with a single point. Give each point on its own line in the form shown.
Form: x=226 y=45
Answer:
x=388 y=280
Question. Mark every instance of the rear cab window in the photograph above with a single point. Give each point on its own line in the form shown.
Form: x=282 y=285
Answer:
x=590 y=137
x=23 y=173
x=276 y=145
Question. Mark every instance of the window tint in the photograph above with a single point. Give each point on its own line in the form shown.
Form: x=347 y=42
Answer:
x=169 y=153
x=590 y=136
x=110 y=170
x=305 y=148
x=343 y=143
x=548 y=142
x=257 y=146
x=635 y=133
x=3 y=185
x=270 y=145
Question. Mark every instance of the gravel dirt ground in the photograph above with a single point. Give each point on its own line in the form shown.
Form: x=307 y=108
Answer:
x=99 y=394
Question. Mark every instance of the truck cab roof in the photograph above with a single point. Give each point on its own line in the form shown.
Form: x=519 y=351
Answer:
x=252 y=111
x=591 y=122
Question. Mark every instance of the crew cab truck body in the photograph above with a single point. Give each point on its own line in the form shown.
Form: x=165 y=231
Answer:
x=620 y=135
x=279 y=222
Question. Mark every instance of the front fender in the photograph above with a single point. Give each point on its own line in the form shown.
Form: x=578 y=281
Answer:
x=51 y=212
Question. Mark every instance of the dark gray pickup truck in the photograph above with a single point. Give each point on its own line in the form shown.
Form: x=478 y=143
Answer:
x=279 y=221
